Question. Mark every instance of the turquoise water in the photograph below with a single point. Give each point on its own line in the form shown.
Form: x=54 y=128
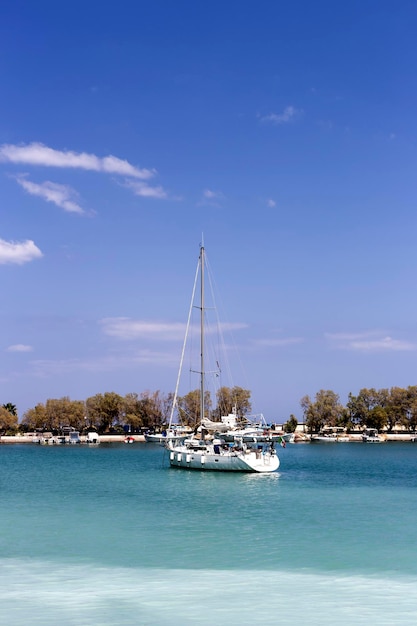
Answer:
x=113 y=536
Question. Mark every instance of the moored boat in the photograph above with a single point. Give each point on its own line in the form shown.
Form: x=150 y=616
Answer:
x=331 y=434
x=174 y=433
x=205 y=452
x=371 y=435
x=92 y=438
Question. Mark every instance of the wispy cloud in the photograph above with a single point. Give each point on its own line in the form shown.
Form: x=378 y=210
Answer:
x=12 y=252
x=278 y=343
x=45 y=368
x=41 y=155
x=50 y=367
x=127 y=329
x=61 y=195
x=64 y=196
x=287 y=115
x=144 y=190
x=372 y=341
x=212 y=195
x=271 y=203
x=19 y=347
x=211 y=198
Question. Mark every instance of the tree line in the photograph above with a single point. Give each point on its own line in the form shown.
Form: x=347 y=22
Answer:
x=370 y=408
x=111 y=412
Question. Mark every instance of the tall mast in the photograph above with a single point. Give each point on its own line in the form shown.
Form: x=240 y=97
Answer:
x=202 y=339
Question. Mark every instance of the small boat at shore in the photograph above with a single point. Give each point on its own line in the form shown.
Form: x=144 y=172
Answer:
x=332 y=434
x=173 y=433
x=371 y=435
x=92 y=438
x=68 y=436
x=295 y=438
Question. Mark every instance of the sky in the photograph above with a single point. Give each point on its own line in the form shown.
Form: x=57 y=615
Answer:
x=284 y=133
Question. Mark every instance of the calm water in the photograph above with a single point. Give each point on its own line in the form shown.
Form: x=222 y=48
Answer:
x=113 y=536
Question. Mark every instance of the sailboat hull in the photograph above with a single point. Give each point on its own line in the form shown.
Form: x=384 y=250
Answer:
x=207 y=460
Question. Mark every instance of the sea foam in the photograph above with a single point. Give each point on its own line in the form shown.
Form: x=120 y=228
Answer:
x=47 y=592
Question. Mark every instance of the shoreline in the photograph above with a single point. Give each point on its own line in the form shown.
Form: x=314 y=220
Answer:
x=353 y=438
x=9 y=439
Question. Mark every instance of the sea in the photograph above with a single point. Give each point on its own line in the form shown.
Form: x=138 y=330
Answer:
x=111 y=535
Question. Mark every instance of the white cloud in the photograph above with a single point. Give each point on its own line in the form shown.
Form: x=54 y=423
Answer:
x=372 y=341
x=18 y=253
x=211 y=198
x=127 y=328
x=211 y=195
x=383 y=344
x=39 y=154
x=288 y=114
x=145 y=191
x=19 y=347
x=271 y=203
x=61 y=195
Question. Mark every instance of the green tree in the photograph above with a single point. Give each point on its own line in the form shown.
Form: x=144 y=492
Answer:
x=153 y=409
x=8 y=421
x=291 y=425
x=103 y=411
x=166 y=406
x=325 y=411
x=309 y=414
x=64 y=412
x=411 y=413
x=377 y=418
x=36 y=418
x=11 y=408
x=189 y=408
x=55 y=414
x=149 y=410
x=359 y=406
x=130 y=411
x=404 y=405
x=397 y=407
x=232 y=397
x=371 y=407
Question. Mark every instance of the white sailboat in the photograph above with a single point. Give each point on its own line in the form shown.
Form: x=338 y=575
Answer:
x=206 y=453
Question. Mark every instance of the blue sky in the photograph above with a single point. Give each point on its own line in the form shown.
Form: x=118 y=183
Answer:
x=285 y=132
